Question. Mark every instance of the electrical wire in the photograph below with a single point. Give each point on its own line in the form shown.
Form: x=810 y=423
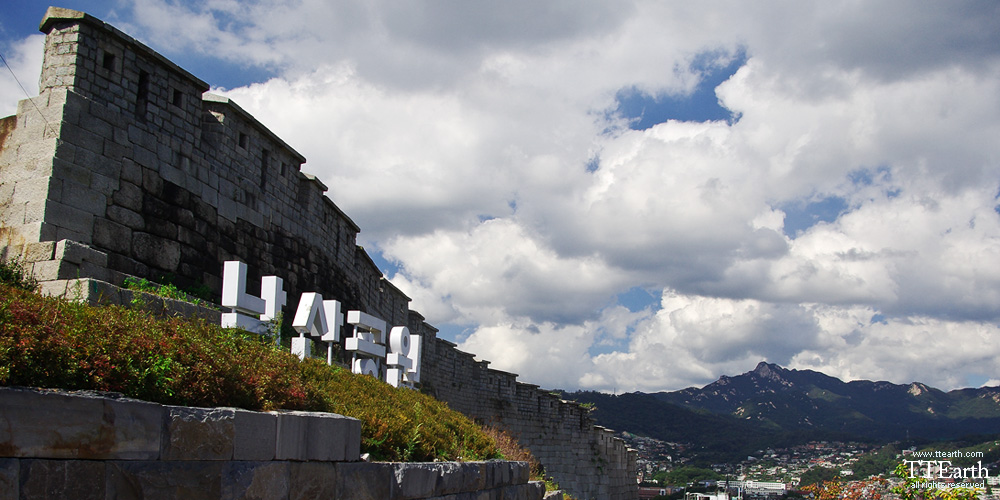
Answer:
x=28 y=96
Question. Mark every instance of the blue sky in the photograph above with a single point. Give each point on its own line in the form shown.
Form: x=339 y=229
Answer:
x=642 y=195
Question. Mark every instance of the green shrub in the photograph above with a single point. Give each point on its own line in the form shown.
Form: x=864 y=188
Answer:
x=512 y=450
x=47 y=342
x=13 y=273
x=169 y=290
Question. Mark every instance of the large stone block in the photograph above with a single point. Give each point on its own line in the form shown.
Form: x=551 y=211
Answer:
x=78 y=253
x=48 y=424
x=84 y=199
x=126 y=217
x=42 y=151
x=257 y=481
x=113 y=236
x=131 y=171
x=500 y=473
x=256 y=435
x=198 y=433
x=94 y=160
x=18 y=234
x=424 y=480
x=128 y=195
x=93 y=123
x=153 y=250
x=365 y=481
x=73 y=175
x=33 y=189
x=127 y=265
x=103 y=184
x=66 y=217
x=228 y=207
x=114 y=151
x=82 y=137
x=155 y=480
x=10 y=473
x=313 y=480
x=39 y=251
x=154 y=207
x=50 y=270
x=316 y=436
x=417 y=480
x=172 y=174
x=162 y=228
x=93 y=291
x=76 y=479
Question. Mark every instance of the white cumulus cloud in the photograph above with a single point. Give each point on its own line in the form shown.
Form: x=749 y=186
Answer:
x=482 y=151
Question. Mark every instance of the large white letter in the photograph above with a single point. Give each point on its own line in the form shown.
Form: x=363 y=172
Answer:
x=334 y=320
x=367 y=334
x=234 y=286
x=416 y=347
x=310 y=317
x=273 y=293
x=398 y=360
x=366 y=342
x=244 y=305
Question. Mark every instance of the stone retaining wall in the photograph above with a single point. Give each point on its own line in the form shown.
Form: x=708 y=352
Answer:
x=88 y=445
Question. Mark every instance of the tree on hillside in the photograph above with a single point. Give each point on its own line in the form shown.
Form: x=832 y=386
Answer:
x=883 y=461
x=684 y=475
x=818 y=475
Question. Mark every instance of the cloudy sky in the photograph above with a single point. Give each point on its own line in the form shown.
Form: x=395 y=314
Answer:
x=627 y=196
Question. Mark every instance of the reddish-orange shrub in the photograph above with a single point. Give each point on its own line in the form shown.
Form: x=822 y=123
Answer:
x=46 y=342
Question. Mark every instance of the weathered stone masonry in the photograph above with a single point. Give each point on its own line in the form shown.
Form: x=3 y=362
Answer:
x=587 y=460
x=125 y=165
x=122 y=152
x=95 y=446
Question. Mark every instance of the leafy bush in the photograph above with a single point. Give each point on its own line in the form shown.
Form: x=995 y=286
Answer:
x=47 y=342
x=13 y=273
x=512 y=450
x=169 y=290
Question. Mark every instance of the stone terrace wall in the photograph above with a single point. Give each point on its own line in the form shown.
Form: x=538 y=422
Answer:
x=96 y=446
x=585 y=459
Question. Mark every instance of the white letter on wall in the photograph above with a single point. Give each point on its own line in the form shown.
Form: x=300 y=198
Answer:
x=366 y=341
x=244 y=305
x=398 y=360
x=309 y=316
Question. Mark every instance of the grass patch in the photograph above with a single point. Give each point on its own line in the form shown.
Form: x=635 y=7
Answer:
x=56 y=343
x=169 y=290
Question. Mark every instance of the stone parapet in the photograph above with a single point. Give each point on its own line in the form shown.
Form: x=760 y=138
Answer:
x=51 y=424
x=81 y=445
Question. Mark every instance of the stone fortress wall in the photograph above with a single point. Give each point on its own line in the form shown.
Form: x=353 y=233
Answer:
x=124 y=165
x=586 y=460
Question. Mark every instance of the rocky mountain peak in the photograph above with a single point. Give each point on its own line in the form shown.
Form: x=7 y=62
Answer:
x=768 y=372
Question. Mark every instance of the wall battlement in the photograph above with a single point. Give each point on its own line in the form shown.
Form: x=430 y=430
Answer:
x=125 y=165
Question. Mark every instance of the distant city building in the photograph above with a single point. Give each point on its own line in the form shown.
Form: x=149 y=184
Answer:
x=719 y=495
x=755 y=488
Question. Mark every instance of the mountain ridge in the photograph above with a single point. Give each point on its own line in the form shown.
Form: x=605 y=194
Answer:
x=771 y=404
x=803 y=399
